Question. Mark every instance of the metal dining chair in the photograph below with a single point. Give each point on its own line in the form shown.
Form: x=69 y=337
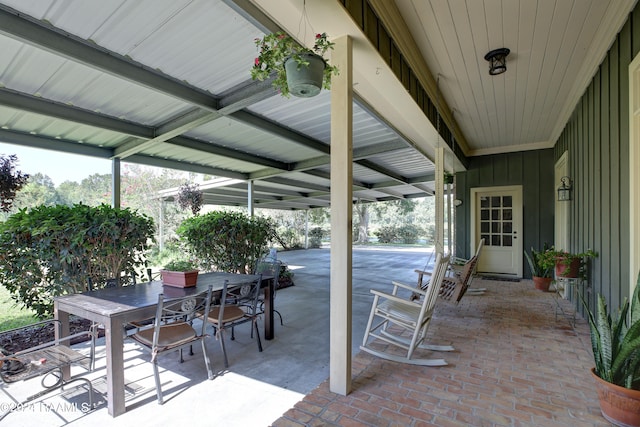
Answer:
x=173 y=329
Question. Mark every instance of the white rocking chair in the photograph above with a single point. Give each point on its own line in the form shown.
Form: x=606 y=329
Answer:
x=400 y=314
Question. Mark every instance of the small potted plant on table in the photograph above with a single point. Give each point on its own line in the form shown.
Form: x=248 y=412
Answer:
x=541 y=268
x=181 y=274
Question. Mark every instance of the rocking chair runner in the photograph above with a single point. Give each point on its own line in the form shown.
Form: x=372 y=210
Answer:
x=400 y=315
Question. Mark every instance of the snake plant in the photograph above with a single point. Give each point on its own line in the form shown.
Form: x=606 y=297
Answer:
x=616 y=342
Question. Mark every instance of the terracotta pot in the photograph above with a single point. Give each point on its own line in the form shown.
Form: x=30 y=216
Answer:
x=573 y=268
x=180 y=279
x=619 y=405
x=542 y=283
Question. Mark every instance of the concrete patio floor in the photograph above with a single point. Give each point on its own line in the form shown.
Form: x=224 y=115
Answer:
x=515 y=364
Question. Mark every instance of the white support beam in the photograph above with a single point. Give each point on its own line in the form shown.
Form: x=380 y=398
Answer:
x=341 y=218
x=439 y=199
x=250 y=198
x=115 y=183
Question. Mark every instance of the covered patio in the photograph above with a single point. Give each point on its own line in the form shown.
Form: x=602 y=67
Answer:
x=515 y=364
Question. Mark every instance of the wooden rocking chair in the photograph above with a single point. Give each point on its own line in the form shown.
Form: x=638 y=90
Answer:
x=453 y=287
x=400 y=315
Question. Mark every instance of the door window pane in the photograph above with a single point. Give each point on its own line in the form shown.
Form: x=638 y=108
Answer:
x=496 y=220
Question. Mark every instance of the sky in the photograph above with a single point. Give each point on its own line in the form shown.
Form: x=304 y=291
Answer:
x=58 y=166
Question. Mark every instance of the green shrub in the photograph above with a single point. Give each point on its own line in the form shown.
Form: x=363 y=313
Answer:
x=289 y=238
x=386 y=234
x=227 y=241
x=315 y=237
x=408 y=234
x=56 y=250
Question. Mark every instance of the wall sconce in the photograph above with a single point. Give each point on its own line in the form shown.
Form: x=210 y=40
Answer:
x=497 y=60
x=564 y=191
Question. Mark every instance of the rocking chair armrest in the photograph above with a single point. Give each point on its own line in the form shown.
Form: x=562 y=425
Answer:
x=458 y=261
x=397 y=285
x=421 y=272
x=394 y=298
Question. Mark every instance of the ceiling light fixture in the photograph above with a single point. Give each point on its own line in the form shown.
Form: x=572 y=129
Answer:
x=497 y=60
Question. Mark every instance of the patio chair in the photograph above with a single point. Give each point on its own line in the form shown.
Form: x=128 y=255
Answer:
x=453 y=288
x=457 y=267
x=269 y=266
x=244 y=309
x=400 y=315
x=173 y=329
x=47 y=360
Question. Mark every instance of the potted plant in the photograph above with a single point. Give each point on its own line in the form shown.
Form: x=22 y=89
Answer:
x=541 y=267
x=571 y=265
x=181 y=274
x=616 y=353
x=298 y=70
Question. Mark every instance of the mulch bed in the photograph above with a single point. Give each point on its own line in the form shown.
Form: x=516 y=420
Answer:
x=22 y=339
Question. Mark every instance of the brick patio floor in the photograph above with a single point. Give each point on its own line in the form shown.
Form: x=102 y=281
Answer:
x=515 y=364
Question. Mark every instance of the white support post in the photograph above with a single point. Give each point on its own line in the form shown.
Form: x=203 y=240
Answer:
x=250 y=198
x=115 y=183
x=341 y=218
x=439 y=199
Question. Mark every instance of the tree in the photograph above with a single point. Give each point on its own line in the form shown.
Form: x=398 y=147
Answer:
x=11 y=181
x=362 y=212
x=39 y=190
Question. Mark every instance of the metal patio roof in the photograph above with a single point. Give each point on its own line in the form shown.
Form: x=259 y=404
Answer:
x=166 y=83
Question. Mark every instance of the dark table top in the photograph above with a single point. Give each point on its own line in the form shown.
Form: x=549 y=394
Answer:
x=113 y=301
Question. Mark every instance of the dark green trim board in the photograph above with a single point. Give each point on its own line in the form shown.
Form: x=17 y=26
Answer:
x=531 y=169
x=597 y=139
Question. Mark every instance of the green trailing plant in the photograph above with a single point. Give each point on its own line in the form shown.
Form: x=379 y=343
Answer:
x=315 y=237
x=274 y=49
x=178 y=265
x=616 y=341
x=11 y=181
x=227 y=241
x=539 y=264
x=566 y=258
x=56 y=250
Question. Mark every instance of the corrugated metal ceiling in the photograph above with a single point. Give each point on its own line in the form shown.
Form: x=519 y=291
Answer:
x=166 y=83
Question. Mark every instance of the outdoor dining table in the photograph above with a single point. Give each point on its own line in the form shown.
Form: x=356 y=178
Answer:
x=115 y=307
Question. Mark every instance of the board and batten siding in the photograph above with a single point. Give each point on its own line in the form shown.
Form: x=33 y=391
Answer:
x=597 y=140
x=531 y=169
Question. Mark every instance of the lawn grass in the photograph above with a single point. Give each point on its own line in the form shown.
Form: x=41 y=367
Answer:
x=11 y=314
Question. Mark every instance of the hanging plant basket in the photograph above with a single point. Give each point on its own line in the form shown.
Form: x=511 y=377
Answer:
x=305 y=81
x=295 y=69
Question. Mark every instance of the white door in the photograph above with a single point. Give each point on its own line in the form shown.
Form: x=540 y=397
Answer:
x=497 y=218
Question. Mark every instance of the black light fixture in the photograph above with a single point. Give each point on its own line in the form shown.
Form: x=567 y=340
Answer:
x=497 y=60
x=564 y=191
